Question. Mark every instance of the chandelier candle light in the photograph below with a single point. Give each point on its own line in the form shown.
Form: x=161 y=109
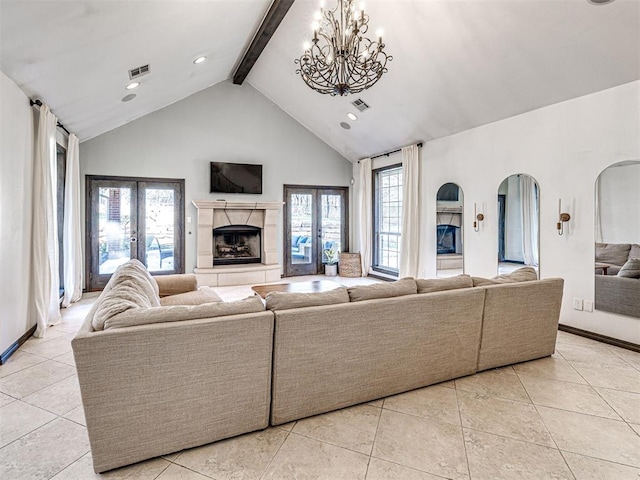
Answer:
x=340 y=60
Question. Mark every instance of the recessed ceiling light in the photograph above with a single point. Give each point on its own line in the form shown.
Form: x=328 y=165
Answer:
x=345 y=125
x=199 y=60
x=352 y=116
x=128 y=98
x=599 y=2
x=133 y=85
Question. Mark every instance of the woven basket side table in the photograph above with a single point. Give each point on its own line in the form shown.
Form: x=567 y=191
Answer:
x=350 y=265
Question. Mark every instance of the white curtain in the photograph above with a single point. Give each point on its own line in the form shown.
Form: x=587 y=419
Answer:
x=598 y=232
x=529 y=204
x=45 y=274
x=409 y=245
x=365 y=214
x=72 y=232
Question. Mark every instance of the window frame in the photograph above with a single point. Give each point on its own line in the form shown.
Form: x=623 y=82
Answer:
x=375 y=265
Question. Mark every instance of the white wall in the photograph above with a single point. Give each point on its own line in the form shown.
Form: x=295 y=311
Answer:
x=620 y=204
x=227 y=123
x=564 y=147
x=16 y=171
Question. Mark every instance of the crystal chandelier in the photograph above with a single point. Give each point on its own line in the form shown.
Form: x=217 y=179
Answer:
x=340 y=59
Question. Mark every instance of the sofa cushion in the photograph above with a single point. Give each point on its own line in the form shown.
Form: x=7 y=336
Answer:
x=130 y=286
x=289 y=300
x=524 y=274
x=634 y=252
x=441 y=284
x=176 y=284
x=196 y=297
x=631 y=269
x=613 y=253
x=176 y=313
x=404 y=286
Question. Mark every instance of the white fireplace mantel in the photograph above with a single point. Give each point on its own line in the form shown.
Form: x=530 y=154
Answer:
x=220 y=213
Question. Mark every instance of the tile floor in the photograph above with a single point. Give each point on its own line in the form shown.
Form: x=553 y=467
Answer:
x=573 y=415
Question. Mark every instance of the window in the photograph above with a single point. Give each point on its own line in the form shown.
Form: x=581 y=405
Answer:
x=387 y=228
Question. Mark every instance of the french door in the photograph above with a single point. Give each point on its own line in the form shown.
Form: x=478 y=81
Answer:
x=316 y=227
x=129 y=218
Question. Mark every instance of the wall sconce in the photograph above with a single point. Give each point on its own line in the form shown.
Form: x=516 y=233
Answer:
x=562 y=218
x=477 y=218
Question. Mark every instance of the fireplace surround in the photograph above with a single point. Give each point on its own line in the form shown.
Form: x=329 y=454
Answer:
x=237 y=268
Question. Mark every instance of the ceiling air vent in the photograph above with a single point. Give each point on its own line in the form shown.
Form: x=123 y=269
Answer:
x=138 y=71
x=360 y=105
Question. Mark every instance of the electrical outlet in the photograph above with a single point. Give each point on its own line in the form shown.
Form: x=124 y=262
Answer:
x=588 y=306
x=577 y=303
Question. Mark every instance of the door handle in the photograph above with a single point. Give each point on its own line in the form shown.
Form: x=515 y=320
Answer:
x=133 y=240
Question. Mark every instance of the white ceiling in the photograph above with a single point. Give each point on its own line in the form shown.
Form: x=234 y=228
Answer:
x=457 y=64
x=75 y=55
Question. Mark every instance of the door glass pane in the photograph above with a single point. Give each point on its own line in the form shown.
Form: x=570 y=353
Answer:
x=331 y=227
x=301 y=235
x=114 y=225
x=159 y=229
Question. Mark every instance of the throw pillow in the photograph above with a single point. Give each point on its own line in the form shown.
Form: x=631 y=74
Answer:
x=130 y=286
x=481 y=281
x=631 y=269
x=196 y=297
x=404 y=286
x=176 y=313
x=288 y=300
x=524 y=274
x=442 y=284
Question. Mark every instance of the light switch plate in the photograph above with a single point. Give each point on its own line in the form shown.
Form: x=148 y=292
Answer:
x=588 y=306
x=577 y=304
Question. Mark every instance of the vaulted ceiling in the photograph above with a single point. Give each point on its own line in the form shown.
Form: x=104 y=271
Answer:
x=457 y=64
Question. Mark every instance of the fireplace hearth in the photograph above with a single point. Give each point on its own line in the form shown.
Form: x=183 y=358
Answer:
x=236 y=244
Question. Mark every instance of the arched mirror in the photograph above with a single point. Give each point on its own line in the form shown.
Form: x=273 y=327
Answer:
x=449 y=225
x=518 y=223
x=617 y=234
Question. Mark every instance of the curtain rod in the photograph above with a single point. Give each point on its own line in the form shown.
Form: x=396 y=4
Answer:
x=386 y=154
x=39 y=104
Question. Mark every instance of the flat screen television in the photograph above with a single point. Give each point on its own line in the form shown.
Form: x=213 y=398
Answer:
x=236 y=178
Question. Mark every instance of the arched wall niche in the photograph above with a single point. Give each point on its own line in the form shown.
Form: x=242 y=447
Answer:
x=518 y=223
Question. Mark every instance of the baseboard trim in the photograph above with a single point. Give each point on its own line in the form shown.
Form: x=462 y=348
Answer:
x=600 y=338
x=4 y=356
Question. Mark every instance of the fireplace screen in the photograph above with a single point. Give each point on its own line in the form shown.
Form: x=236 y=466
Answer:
x=236 y=244
x=447 y=239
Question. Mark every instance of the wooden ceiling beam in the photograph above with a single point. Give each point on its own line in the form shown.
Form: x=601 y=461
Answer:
x=276 y=13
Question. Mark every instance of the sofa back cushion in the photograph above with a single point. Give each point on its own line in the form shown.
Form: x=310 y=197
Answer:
x=130 y=286
x=176 y=284
x=289 y=300
x=404 y=286
x=524 y=274
x=612 y=253
x=175 y=313
x=631 y=269
x=634 y=252
x=441 y=284
x=196 y=297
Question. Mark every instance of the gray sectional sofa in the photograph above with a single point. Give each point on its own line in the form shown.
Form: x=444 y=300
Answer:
x=154 y=382
x=618 y=291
